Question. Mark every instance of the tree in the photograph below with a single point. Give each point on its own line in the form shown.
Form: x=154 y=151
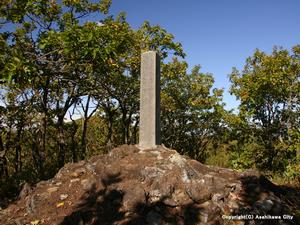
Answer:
x=42 y=77
x=43 y=57
x=55 y=63
x=121 y=86
x=190 y=109
x=269 y=92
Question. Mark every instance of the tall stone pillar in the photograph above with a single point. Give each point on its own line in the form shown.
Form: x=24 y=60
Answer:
x=149 y=135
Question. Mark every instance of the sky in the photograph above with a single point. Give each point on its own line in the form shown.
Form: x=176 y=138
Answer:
x=219 y=34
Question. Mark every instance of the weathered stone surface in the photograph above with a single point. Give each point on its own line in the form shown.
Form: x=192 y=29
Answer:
x=88 y=183
x=150 y=100
x=134 y=195
x=63 y=197
x=26 y=190
x=52 y=189
x=157 y=186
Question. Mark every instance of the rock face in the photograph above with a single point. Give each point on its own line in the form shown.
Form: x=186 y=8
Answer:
x=155 y=186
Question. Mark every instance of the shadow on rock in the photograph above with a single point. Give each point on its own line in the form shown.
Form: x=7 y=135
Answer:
x=263 y=199
x=98 y=207
x=105 y=207
x=158 y=213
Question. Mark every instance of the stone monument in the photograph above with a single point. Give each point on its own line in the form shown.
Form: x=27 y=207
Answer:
x=149 y=135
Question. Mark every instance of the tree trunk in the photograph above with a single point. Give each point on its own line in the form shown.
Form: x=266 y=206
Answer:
x=83 y=138
x=37 y=159
x=3 y=161
x=73 y=141
x=84 y=127
x=61 y=142
x=110 y=128
x=85 y=121
x=45 y=116
x=128 y=122
x=3 y=166
x=134 y=132
x=18 y=160
x=5 y=148
x=124 y=127
x=110 y=121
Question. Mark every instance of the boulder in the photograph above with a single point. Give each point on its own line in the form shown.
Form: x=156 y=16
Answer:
x=152 y=186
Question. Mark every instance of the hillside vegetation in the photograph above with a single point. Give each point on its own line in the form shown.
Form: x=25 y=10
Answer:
x=55 y=64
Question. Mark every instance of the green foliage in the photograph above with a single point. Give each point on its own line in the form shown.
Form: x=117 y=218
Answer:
x=269 y=91
x=54 y=66
x=190 y=109
x=96 y=133
x=218 y=156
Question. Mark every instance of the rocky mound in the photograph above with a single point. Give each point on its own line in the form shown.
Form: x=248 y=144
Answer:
x=156 y=186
